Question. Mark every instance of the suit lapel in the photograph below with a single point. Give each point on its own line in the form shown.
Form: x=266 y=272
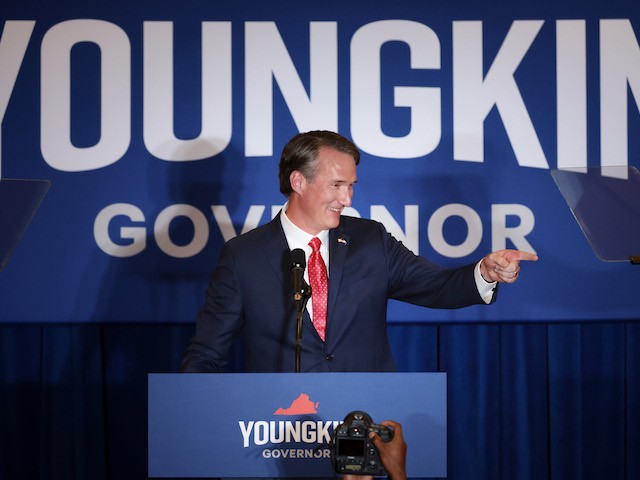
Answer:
x=276 y=250
x=338 y=248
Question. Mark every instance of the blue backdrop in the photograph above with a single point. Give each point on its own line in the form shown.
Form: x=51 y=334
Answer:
x=160 y=131
x=159 y=125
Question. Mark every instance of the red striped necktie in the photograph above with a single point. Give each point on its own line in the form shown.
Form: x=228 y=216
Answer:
x=319 y=283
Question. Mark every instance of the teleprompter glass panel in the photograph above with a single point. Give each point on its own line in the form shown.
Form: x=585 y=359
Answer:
x=605 y=202
x=19 y=200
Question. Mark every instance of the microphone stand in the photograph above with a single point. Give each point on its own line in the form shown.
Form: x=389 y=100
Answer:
x=300 y=299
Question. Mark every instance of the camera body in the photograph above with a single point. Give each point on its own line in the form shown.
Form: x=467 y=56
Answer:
x=353 y=452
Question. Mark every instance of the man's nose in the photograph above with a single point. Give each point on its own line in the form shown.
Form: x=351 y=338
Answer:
x=346 y=197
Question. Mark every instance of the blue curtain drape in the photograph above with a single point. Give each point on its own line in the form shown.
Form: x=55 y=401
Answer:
x=526 y=401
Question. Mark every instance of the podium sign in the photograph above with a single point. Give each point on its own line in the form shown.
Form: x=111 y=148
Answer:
x=280 y=425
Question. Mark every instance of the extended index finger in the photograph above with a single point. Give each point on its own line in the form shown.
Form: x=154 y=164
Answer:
x=524 y=256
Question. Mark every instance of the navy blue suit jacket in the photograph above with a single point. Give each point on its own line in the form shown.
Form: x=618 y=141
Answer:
x=250 y=294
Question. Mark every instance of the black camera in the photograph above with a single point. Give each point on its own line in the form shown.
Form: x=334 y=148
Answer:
x=353 y=452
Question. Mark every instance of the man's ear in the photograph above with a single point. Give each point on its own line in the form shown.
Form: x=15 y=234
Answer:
x=298 y=182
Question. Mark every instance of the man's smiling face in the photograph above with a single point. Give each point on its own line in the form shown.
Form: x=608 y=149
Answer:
x=318 y=202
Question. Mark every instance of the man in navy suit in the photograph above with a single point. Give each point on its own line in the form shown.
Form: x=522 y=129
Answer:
x=250 y=292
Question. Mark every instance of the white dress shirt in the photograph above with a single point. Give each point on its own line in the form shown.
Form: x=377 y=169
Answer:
x=298 y=238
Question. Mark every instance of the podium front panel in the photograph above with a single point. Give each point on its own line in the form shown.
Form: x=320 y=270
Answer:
x=280 y=425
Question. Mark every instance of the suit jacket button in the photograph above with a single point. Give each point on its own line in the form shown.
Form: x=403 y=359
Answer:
x=329 y=357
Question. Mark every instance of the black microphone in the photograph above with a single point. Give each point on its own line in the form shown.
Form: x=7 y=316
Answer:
x=298 y=264
x=301 y=295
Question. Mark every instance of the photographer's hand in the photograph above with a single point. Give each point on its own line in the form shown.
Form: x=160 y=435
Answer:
x=393 y=455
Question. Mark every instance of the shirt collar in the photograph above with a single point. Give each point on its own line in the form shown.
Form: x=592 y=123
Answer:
x=296 y=237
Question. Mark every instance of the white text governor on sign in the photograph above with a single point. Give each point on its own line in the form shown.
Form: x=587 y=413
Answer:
x=131 y=238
